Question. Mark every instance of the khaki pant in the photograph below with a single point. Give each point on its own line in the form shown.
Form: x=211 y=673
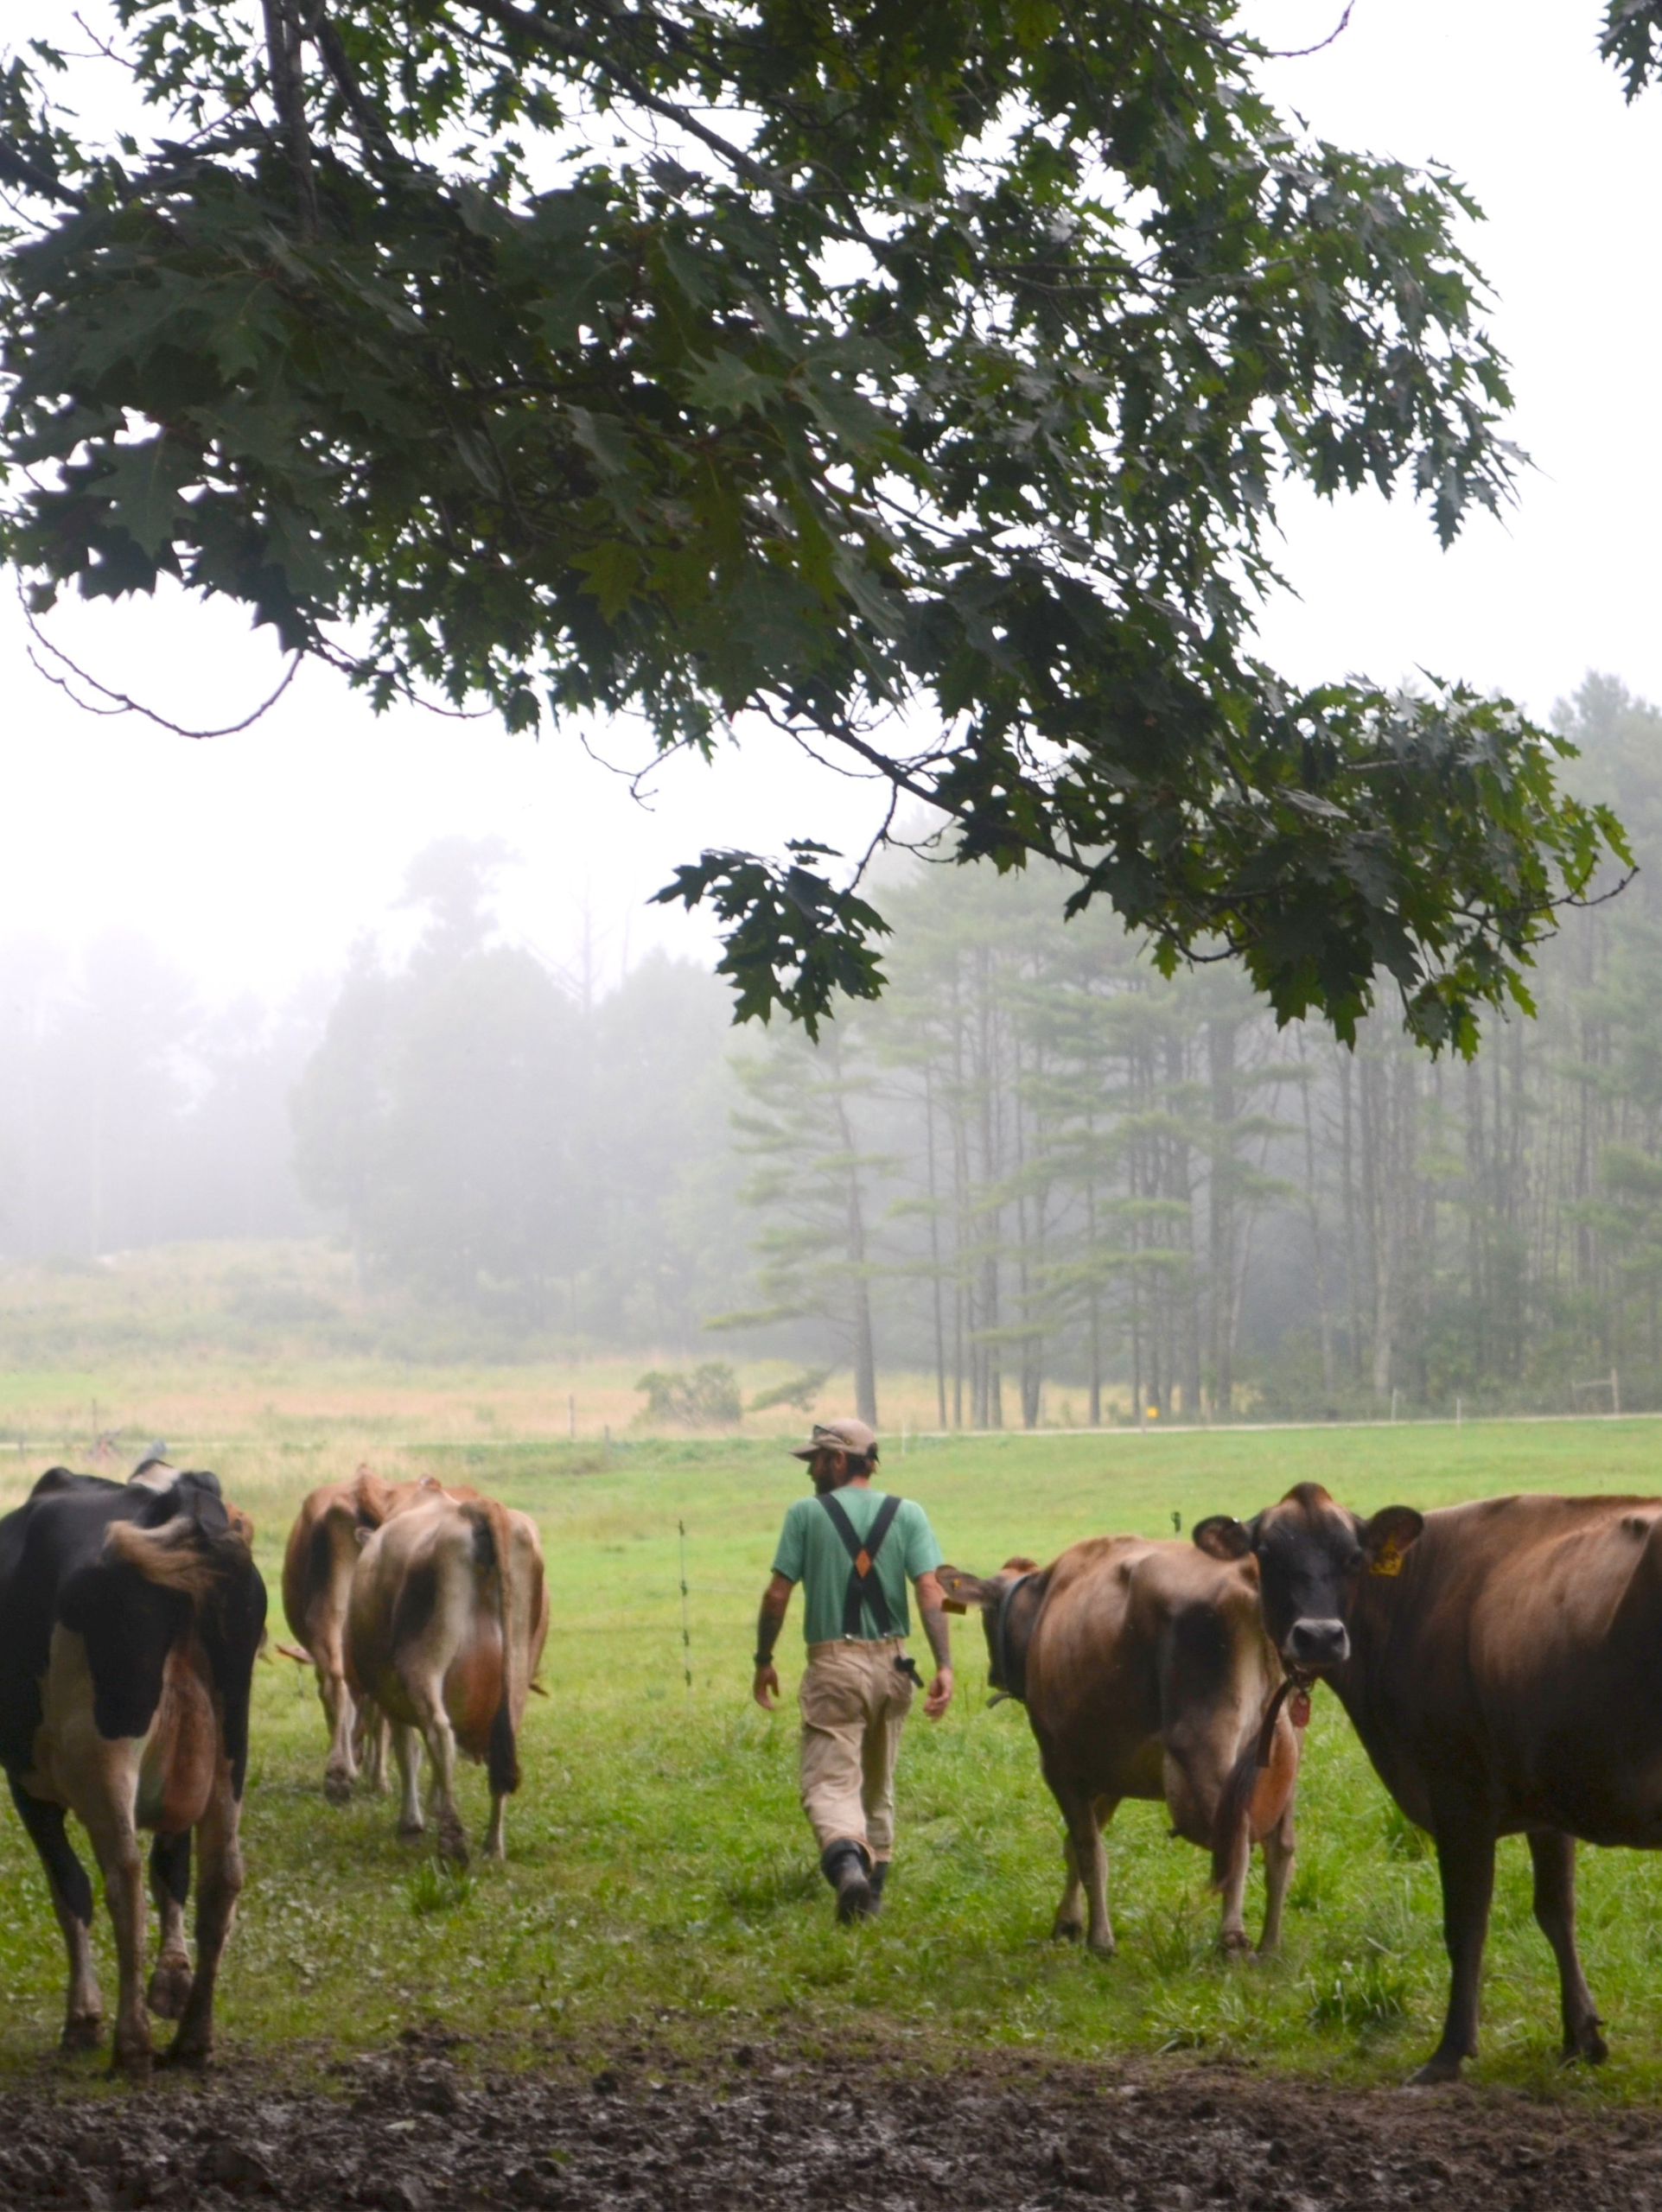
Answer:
x=853 y=1701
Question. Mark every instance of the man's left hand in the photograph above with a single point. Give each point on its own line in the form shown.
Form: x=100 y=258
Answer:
x=939 y=1695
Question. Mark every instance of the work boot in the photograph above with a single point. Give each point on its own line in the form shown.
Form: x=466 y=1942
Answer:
x=878 y=1877
x=845 y=1866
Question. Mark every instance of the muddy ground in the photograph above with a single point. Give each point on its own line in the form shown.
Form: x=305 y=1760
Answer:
x=420 y=2128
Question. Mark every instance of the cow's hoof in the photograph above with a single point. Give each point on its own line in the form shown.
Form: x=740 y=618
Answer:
x=1236 y=1943
x=337 y=1788
x=412 y=1831
x=191 y=2051
x=1589 y=2045
x=1067 y=1931
x=1441 y=2066
x=453 y=1843
x=1101 y=1947
x=82 y=2031
x=169 y=1990
x=131 y=2059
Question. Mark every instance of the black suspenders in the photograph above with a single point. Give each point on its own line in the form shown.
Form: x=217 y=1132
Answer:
x=863 y=1587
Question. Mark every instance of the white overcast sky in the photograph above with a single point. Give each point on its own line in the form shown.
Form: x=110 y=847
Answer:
x=255 y=860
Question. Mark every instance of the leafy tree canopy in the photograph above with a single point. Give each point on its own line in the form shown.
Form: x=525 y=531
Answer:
x=917 y=374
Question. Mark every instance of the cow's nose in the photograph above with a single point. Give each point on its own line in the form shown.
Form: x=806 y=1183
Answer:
x=1318 y=1643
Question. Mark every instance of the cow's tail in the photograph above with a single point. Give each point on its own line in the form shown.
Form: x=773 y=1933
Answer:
x=182 y=1555
x=1230 y=1831
x=514 y=1602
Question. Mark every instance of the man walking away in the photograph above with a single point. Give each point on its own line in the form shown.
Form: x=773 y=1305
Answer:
x=854 y=1548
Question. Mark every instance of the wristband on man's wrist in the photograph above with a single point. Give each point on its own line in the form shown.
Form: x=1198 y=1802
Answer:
x=764 y=1658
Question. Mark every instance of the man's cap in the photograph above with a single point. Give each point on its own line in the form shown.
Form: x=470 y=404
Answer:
x=850 y=1436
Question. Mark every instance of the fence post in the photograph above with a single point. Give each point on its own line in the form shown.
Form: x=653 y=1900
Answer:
x=686 y=1631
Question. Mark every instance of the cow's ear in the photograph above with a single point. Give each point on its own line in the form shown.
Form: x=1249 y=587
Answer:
x=1388 y=1535
x=961 y=1591
x=1223 y=1537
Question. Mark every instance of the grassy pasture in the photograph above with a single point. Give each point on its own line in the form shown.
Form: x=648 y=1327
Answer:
x=661 y=1878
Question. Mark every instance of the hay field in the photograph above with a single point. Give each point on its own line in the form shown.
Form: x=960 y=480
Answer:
x=660 y=1876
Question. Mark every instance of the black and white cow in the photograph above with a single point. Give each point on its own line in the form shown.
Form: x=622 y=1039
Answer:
x=130 y=1615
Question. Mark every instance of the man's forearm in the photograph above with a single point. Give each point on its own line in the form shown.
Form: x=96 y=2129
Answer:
x=939 y=1636
x=775 y=1603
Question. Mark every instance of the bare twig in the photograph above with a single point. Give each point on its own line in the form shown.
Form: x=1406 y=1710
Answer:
x=1298 y=53
x=118 y=701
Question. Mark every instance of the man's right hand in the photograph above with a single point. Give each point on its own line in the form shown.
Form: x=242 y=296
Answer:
x=765 y=1688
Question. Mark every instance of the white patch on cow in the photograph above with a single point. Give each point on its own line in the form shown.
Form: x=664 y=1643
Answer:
x=153 y=1474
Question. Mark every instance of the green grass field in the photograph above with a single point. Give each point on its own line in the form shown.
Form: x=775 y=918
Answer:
x=661 y=1880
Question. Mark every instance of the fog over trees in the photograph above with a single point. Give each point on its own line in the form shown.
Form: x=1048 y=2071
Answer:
x=1036 y=1170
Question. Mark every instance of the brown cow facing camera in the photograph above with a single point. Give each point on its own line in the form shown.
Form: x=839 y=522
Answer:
x=445 y=1625
x=1146 y=1672
x=1501 y=1661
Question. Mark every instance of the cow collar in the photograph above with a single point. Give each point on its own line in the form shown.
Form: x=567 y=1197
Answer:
x=1001 y=1643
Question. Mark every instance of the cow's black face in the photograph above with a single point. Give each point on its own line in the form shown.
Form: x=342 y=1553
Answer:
x=1311 y=1554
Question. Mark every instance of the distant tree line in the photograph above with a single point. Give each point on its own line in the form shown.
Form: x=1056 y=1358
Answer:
x=130 y=1115
x=1062 y=1185
x=492 y=1141
x=1036 y=1161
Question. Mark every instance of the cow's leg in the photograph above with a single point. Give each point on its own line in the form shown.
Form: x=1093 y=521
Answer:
x=439 y=1740
x=219 y=1885
x=1068 y=1925
x=1465 y=1862
x=1554 y=1854
x=115 y=1840
x=1279 y=1845
x=496 y=1835
x=370 y=1745
x=340 y=1767
x=1232 y=1932
x=406 y=1749
x=71 y=1900
x=169 y=1989
x=1087 y=1869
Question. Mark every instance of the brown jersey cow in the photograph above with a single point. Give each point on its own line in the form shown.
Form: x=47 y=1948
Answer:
x=445 y=1624
x=1146 y=1672
x=1502 y=1663
x=318 y=1571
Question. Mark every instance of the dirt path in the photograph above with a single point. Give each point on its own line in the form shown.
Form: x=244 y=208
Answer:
x=412 y=2132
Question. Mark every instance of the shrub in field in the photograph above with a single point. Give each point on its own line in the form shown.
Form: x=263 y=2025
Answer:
x=708 y=1398
x=798 y=1390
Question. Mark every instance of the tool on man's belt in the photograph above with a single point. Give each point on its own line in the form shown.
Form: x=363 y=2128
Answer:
x=908 y=1665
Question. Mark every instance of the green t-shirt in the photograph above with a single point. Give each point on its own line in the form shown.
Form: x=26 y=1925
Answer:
x=812 y=1552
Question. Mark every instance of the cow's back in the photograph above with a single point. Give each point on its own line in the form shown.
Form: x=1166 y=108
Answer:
x=1520 y=1646
x=411 y=1584
x=323 y=1549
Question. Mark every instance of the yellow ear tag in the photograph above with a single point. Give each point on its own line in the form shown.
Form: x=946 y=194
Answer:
x=1389 y=1560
